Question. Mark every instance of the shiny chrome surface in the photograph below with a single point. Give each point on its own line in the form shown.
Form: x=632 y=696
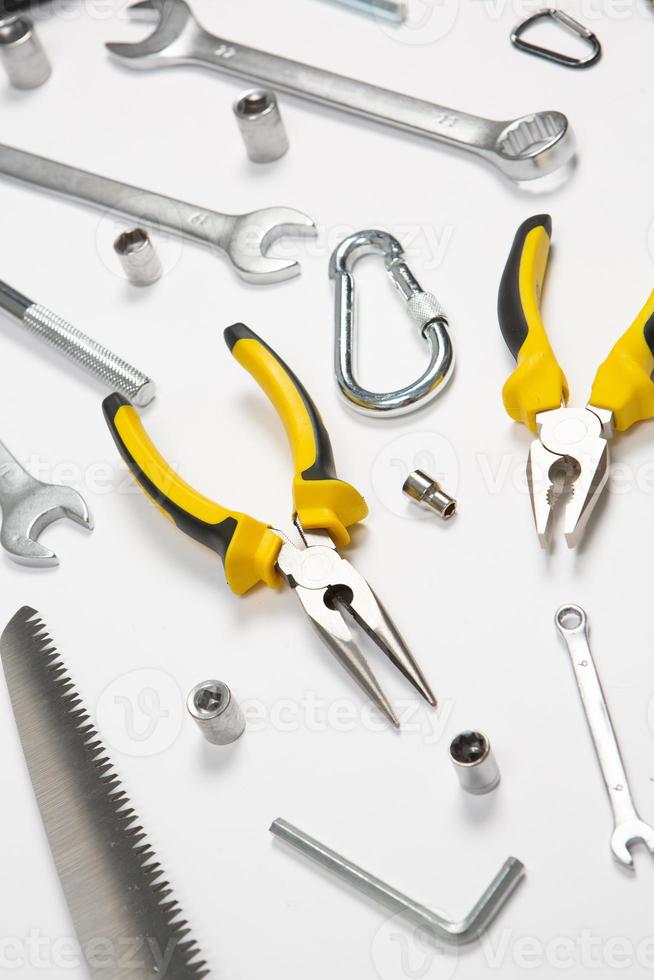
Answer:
x=523 y=149
x=572 y=623
x=424 y=490
x=138 y=258
x=423 y=308
x=28 y=507
x=330 y=589
x=261 y=125
x=568 y=468
x=22 y=54
x=244 y=238
x=457 y=932
x=214 y=709
x=127 y=921
x=474 y=762
x=111 y=370
x=393 y=10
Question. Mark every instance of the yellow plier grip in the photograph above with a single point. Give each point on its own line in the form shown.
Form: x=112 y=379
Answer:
x=320 y=499
x=623 y=383
x=538 y=384
x=248 y=547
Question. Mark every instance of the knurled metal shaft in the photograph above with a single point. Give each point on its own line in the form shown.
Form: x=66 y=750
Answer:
x=116 y=373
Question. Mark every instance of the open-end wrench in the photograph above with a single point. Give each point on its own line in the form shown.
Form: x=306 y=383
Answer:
x=572 y=623
x=28 y=507
x=523 y=149
x=244 y=238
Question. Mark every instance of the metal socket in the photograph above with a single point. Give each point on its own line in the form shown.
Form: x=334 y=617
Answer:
x=218 y=716
x=474 y=763
x=22 y=54
x=261 y=124
x=424 y=490
x=138 y=257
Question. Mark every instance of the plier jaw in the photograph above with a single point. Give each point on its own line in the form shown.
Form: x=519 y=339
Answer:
x=568 y=465
x=329 y=588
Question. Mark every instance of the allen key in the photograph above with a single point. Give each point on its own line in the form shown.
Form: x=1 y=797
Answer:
x=456 y=933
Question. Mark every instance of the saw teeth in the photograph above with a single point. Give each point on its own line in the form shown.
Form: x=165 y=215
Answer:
x=52 y=680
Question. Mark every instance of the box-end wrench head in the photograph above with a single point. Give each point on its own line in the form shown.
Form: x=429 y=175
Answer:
x=531 y=146
x=572 y=623
x=28 y=507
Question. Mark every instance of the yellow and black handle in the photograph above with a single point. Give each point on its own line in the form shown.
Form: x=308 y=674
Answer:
x=248 y=547
x=320 y=499
x=623 y=383
x=538 y=384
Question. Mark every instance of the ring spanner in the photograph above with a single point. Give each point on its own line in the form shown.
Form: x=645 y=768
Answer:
x=525 y=148
x=572 y=623
x=244 y=238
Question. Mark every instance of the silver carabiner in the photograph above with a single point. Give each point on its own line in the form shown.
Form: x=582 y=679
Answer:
x=569 y=24
x=423 y=308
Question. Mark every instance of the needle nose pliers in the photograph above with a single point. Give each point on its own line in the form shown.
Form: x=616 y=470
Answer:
x=326 y=584
x=569 y=462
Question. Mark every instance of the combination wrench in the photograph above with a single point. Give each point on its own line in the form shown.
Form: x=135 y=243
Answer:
x=29 y=506
x=244 y=238
x=572 y=623
x=525 y=148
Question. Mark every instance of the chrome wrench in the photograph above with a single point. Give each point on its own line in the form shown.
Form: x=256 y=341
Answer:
x=525 y=148
x=572 y=623
x=29 y=506
x=244 y=238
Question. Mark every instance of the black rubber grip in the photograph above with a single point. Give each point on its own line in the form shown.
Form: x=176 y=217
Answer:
x=218 y=537
x=324 y=467
x=511 y=315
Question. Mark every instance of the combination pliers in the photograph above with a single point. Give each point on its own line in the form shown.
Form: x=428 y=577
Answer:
x=569 y=462
x=326 y=584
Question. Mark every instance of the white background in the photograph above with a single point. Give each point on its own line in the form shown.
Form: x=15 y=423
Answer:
x=475 y=598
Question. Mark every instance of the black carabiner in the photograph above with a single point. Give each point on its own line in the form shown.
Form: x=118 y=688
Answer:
x=569 y=24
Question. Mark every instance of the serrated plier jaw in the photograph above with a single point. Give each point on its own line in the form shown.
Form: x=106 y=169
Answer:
x=568 y=465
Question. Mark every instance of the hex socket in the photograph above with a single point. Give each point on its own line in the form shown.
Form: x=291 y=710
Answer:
x=22 y=54
x=138 y=257
x=474 y=763
x=424 y=490
x=216 y=713
x=261 y=125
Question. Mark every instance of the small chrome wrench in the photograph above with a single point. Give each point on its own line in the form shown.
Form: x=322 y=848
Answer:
x=572 y=623
x=28 y=507
x=525 y=148
x=244 y=238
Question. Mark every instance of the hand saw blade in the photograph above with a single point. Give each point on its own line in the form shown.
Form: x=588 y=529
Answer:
x=128 y=925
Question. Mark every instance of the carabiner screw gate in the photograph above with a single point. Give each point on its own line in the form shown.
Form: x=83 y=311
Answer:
x=423 y=308
x=569 y=24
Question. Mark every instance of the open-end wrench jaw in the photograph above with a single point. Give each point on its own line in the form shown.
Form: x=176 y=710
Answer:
x=627 y=835
x=27 y=513
x=254 y=233
x=172 y=39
